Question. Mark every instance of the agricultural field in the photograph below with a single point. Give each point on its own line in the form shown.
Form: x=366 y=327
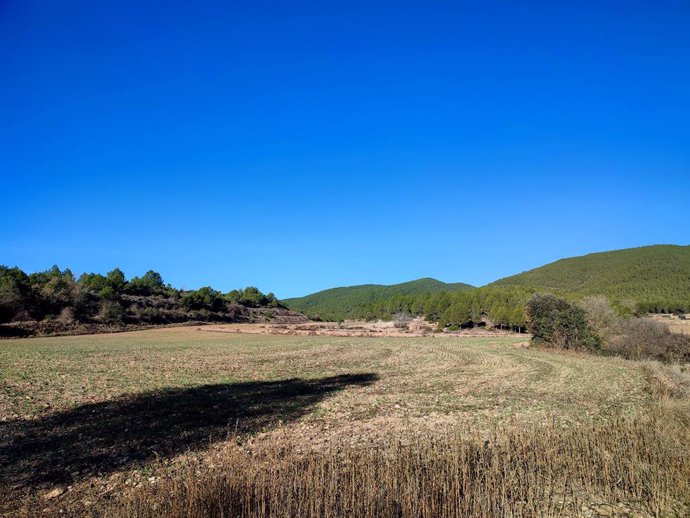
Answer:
x=190 y=422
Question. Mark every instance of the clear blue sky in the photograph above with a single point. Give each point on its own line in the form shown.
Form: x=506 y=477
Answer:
x=298 y=146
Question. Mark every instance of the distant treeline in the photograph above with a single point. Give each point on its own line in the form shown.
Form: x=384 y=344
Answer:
x=652 y=279
x=56 y=294
x=501 y=306
x=351 y=302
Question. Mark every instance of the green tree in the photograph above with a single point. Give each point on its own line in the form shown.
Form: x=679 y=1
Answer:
x=151 y=283
x=15 y=293
x=205 y=298
x=558 y=322
x=93 y=282
x=115 y=280
x=251 y=297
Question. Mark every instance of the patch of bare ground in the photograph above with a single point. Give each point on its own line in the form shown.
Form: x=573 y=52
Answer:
x=354 y=328
x=180 y=422
x=676 y=323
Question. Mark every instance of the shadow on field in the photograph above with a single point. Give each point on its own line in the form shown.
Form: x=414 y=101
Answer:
x=103 y=437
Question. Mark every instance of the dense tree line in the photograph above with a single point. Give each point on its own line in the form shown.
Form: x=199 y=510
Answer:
x=112 y=298
x=636 y=281
x=502 y=307
x=348 y=302
x=499 y=306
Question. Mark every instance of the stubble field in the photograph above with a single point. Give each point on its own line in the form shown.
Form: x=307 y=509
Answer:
x=187 y=422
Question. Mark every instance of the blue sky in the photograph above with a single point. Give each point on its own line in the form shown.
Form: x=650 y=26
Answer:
x=298 y=146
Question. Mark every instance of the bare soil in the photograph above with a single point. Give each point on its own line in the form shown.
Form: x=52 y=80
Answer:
x=674 y=322
x=355 y=328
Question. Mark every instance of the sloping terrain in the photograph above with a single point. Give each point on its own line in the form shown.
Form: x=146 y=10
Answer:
x=56 y=302
x=650 y=274
x=345 y=301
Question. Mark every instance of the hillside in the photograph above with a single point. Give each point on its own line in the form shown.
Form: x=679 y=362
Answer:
x=345 y=302
x=654 y=277
x=55 y=302
x=637 y=280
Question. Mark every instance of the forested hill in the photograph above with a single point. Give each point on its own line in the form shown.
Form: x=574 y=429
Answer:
x=347 y=302
x=653 y=277
x=55 y=302
x=636 y=280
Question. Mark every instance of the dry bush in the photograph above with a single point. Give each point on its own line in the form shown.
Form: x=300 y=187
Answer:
x=22 y=316
x=669 y=382
x=643 y=338
x=601 y=317
x=402 y=320
x=111 y=312
x=634 y=338
x=549 y=471
x=68 y=316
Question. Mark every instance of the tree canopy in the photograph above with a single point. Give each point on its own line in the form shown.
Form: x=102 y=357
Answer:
x=112 y=298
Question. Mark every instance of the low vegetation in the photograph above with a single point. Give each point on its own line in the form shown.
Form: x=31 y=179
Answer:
x=555 y=321
x=634 y=466
x=594 y=326
x=187 y=422
x=55 y=301
x=642 y=338
x=627 y=467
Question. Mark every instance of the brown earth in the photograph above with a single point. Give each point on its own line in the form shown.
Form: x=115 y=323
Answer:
x=354 y=328
x=674 y=322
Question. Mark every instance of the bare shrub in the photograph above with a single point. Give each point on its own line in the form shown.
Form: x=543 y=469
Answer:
x=643 y=338
x=149 y=314
x=668 y=381
x=601 y=317
x=22 y=316
x=68 y=315
x=402 y=320
x=111 y=312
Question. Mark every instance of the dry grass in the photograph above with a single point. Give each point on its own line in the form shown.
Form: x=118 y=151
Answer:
x=674 y=323
x=645 y=338
x=636 y=467
x=202 y=422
